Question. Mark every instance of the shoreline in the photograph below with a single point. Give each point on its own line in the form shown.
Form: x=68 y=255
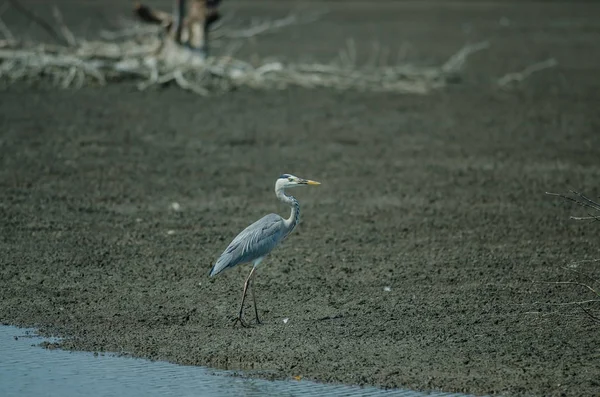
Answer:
x=422 y=261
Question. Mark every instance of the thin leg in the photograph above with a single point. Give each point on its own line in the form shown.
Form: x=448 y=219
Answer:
x=179 y=12
x=240 y=316
x=255 y=308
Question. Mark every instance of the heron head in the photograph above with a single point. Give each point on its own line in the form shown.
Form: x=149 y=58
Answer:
x=286 y=181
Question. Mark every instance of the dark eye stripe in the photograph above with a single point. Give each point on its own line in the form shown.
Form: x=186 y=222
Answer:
x=285 y=176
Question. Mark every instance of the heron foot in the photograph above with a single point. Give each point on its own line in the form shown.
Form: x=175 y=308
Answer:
x=241 y=321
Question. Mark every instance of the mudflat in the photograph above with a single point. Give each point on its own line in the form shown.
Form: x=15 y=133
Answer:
x=421 y=261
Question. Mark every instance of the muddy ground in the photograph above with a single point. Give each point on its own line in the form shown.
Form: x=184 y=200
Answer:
x=439 y=197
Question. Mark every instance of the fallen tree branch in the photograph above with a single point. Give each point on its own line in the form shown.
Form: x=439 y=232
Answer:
x=149 y=57
x=585 y=202
x=588 y=287
x=582 y=201
x=3 y=28
x=562 y=303
x=456 y=61
x=586 y=311
x=580 y=303
x=31 y=63
x=66 y=32
x=272 y=26
x=40 y=21
x=134 y=31
x=520 y=76
x=108 y=59
x=218 y=31
x=186 y=85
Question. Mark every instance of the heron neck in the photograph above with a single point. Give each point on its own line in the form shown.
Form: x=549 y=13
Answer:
x=294 y=218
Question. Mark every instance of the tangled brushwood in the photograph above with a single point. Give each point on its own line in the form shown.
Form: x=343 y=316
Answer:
x=144 y=53
x=592 y=282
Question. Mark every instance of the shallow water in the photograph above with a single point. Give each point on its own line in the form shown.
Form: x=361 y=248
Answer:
x=26 y=369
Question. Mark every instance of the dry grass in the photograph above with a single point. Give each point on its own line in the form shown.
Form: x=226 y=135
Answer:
x=591 y=281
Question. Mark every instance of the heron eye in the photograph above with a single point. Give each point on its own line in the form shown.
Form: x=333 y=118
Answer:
x=290 y=179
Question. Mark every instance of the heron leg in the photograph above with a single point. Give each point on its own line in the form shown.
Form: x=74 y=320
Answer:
x=240 y=316
x=255 y=308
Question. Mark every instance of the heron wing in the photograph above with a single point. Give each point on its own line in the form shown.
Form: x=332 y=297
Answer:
x=253 y=242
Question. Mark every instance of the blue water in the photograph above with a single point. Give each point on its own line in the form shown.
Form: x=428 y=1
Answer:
x=28 y=370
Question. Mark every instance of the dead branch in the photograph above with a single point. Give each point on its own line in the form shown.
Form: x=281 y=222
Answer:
x=134 y=31
x=186 y=85
x=144 y=54
x=574 y=283
x=580 y=303
x=528 y=71
x=272 y=26
x=456 y=61
x=40 y=21
x=66 y=32
x=163 y=19
x=562 y=303
x=585 y=202
x=586 y=311
x=582 y=201
x=3 y=28
x=589 y=277
x=25 y=63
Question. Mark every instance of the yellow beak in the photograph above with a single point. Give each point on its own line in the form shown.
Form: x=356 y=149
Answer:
x=314 y=183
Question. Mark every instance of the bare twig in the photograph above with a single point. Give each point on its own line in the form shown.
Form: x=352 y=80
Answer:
x=589 y=202
x=372 y=61
x=270 y=26
x=159 y=60
x=130 y=32
x=586 y=311
x=561 y=303
x=583 y=201
x=3 y=28
x=66 y=32
x=577 y=303
x=520 y=76
x=6 y=43
x=32 y=63
x=582 y=273
x=186 y=85
x=457 y=60
x=351 y=51
x=41 y=22
x=573 y=283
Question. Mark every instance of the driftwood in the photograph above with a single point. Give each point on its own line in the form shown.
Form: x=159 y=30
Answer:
x=142 y=53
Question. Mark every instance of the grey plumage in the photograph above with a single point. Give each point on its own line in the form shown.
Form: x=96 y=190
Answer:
x=260 y=238
x=253 y=243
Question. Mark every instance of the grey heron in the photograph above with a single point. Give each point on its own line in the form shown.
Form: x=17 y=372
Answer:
x=259 y=239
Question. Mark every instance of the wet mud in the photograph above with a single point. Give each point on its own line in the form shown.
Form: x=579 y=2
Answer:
x=422 y=259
